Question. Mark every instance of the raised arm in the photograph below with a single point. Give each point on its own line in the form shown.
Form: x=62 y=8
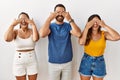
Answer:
x=45 y=30
x=34 y=30
x=110 y=34
x=82 y=39
x=75 y=29
x=10 y=34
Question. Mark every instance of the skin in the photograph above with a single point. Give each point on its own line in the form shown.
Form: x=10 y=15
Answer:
x=59 y=11
x=11 y=33
x=110 y=34
x=95 y=23
x=24 y=32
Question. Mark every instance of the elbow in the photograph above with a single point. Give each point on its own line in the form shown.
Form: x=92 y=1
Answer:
x=117 y=38
x=81 y=42
x=42 y=35
x=36 y=38
x=7 y=40
x=78 y=34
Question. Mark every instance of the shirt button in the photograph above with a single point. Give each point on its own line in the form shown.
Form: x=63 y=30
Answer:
x=19 y=56
x=19 y=53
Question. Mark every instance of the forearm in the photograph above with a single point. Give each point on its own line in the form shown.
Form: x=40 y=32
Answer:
x=44 y=31
x=35 y=33
x=75 y=29
x=114 y=34
x=83 y=37
x=9 y=34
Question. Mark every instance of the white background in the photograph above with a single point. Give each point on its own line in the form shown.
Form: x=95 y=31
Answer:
x=39 y=10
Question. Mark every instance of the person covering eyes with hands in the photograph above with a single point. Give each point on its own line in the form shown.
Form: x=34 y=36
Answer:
x=25 y=62
x=94 y=41
x=60 y=47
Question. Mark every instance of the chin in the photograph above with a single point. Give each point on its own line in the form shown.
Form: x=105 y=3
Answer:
x=24 y=26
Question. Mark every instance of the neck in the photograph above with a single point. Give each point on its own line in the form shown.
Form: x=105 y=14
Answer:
x=59 y=22
x=24 y=29
x=94 y=32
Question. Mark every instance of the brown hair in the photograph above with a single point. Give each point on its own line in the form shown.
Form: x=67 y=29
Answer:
x=89 y=34
x=23 y=13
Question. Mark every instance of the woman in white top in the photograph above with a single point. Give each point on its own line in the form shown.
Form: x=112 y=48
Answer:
x=25 y=62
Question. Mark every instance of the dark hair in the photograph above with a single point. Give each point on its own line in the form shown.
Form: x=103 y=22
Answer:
x=59 y=5
x=89 y=34
x=25 y=14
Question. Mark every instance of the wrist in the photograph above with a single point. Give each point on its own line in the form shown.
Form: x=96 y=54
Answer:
x=104 y=26
x=71 y=20
x=49 y=20
x=12 y=25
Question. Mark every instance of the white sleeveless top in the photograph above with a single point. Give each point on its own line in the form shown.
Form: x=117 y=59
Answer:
x=24 y=44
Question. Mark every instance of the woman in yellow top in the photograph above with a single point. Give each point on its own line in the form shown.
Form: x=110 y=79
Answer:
x=94 y=41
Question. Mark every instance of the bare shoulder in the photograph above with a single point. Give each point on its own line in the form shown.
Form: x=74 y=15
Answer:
x=30 y=31
x=15 y=33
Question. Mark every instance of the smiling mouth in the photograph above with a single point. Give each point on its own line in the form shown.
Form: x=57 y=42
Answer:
x=23 y=23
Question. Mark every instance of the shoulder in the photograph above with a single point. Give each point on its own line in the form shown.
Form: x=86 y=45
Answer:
x=103 y=32
x=15 y=33
x=67 y=24
x=52 y=24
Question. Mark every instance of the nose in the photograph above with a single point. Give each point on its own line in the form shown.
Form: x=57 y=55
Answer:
x=95 y=23
x=23 y=20
x=60 y=13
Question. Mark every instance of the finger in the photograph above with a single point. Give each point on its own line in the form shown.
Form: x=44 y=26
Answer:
x=98 y=21
x=65 y=13
x=55 y=13
x=19 y=20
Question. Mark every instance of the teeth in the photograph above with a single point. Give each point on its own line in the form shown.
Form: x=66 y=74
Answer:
x=23 y=23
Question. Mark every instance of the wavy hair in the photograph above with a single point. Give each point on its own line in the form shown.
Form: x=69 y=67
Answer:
x=89 y=34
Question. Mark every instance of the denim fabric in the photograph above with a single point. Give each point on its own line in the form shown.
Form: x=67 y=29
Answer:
x=92 y=66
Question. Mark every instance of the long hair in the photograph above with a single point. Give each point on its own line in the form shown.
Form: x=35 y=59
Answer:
x=89 y=34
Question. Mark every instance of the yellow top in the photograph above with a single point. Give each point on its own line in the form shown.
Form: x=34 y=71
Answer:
x=96 y=48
